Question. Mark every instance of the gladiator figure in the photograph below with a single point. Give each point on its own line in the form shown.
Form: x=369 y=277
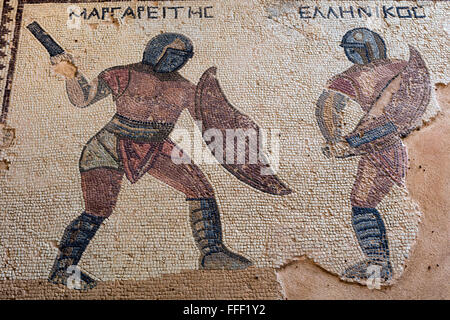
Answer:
x=149 y=98
x=394 y=95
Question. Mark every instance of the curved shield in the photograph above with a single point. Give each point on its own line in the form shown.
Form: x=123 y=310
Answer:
x=401 y=114
x=409 y=103
x=243 y=159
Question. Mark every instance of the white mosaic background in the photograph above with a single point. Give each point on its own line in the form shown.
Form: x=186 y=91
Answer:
x=272 y=69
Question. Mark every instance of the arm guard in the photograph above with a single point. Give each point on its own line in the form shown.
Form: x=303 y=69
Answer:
x=81 y=93
x=329 y=109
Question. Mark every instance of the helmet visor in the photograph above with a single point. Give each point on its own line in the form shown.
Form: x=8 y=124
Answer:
x=172 y=60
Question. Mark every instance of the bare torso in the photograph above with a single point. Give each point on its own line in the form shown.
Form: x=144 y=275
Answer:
x=155 y=97
x=139 y=93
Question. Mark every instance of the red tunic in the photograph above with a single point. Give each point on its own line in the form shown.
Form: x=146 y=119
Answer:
x=365 y=84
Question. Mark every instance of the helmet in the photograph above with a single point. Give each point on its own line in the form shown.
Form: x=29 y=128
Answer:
x=362 y=46
x=168 y=52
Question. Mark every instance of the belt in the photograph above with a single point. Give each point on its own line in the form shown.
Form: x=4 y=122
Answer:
x=145 y=131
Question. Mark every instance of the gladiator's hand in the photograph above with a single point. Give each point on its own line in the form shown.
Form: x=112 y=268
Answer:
x=326 y=150
x=63 y=65
x=342 y=153
x=65 y=68
x=339 y=150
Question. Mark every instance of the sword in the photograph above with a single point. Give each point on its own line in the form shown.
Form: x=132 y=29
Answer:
x=44 y=38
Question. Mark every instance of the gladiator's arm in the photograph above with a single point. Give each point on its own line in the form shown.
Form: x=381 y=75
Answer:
x=375 y=128
x=329 y=108
x=372 y=133
x=81 y=93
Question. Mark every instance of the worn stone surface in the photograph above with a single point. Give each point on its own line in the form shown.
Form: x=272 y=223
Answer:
x=248 y=284
x=427 y=270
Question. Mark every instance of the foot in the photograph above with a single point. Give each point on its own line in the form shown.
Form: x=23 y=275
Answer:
x=368 y=269
x=224 y=259
x=83 y=282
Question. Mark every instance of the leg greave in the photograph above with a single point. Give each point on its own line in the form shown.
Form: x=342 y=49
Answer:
x=371 y=233
x=207 y=231
x=205 y=223
x=75 y=239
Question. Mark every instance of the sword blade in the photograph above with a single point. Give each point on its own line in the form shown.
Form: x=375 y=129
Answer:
x=44 y=38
